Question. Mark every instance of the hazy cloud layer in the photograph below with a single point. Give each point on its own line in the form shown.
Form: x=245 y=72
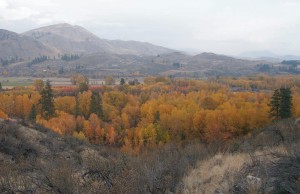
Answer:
x=229 y=27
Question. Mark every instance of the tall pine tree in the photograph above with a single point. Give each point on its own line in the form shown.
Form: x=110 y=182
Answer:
x=47 y=102
x=96 y=105
x=281 y=104
x=32 y=114
x=275 y=105
x=285 y=109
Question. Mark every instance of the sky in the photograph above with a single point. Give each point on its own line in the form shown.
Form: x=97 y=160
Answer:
x=227 y=27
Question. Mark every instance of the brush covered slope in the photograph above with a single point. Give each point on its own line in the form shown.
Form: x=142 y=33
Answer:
x=265 y=161
x=36 y=160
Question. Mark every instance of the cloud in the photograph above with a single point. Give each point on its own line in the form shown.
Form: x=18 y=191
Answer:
x=216 y=25
x=9 y=12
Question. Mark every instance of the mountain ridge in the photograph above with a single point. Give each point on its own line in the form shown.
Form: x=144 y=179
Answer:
x=13 y=45
x=76 y=39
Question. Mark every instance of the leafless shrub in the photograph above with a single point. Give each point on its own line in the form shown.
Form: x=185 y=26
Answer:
x=285 y=172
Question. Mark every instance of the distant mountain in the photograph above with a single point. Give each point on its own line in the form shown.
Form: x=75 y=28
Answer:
x=268 y=56
x=258 y=54
x=290 y=57
x=13 y=45
x=75 y=39
x=101 y=57
x=173 y=64
x=211 y=60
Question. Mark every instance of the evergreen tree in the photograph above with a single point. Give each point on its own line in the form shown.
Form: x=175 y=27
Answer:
x=122 y=82
x=32 y=114
x=275 y=105
x=46 y=102
x=281 y=104
x=77 y=110
x=0 y=86
x=285 y=109
x=96 y=105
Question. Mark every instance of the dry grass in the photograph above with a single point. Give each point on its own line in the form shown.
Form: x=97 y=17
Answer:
x=232 y=173
x=215 y=174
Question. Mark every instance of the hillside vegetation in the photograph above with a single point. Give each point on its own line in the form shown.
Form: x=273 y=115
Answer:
x=266 y=161
x=166 y=135
x=35 y=160
x=163 y=110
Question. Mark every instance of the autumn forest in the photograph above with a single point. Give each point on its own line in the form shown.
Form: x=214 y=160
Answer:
x=149 y=115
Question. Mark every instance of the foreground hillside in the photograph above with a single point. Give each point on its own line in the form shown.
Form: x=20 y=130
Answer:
x=266 y=161
x=34 y=160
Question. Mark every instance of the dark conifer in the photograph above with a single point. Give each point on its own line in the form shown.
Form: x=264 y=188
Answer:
x=275 y=105
x=32 y=114
x=122 y=82
x=281 y=104
x=96 y=105
x=46 y=102
x=285 y=109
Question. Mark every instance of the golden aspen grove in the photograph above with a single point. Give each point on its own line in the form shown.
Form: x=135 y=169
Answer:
x=159 y=111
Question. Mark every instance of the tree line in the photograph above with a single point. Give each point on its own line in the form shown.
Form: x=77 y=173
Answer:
x=151 y=114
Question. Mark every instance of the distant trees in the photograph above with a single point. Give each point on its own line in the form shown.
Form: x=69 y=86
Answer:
x=177 y=65
x=10 y=60
x=61 y=70
x=110 y=80
x=38 y=84
x=71 y=57
x=79 y=78
x=81 y=81
x=38 y=60
x=134 y=82
x=291 y=62
x=264 y=67
x=281 y=104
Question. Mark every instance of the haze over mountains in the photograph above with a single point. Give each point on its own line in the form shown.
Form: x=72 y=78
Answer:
x=16 y=45
x=267 y=55
x=75 y=39
x=37 y=50
x=65 y=38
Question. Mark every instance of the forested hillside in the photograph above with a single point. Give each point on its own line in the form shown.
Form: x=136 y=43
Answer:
x=135 y=117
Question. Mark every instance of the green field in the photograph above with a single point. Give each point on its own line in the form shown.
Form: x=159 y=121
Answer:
x=15 y=81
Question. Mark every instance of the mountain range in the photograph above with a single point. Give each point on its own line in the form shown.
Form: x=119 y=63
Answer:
x=13 y=45
x=37 y=51
x=68 y=39
x=267 y=55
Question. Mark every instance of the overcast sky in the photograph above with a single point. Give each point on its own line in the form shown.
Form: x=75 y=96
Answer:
x=221 y=26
